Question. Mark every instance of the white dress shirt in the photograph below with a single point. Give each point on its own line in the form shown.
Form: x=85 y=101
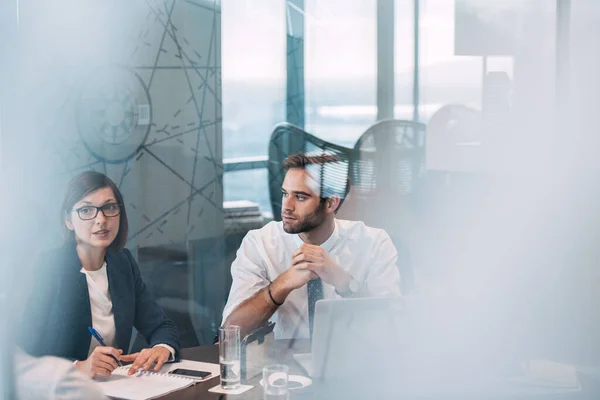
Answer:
x=52 y=378
x=367 y=254
x=103 y=319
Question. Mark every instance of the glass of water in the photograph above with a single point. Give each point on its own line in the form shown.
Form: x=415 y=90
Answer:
x=229 y=356
x=275 y=382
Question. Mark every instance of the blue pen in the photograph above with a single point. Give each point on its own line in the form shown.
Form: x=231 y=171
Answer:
x=101 y=341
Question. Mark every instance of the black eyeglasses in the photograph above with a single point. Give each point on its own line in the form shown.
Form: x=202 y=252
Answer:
x=90 y=212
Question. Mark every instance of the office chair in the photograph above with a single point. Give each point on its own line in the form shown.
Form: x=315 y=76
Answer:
x=386 y=178
x=392 y=158
x=452 y=124
x=364 y=167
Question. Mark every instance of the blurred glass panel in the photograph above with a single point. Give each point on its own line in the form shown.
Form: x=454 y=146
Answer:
x=340 y=68
x=133 y=90
x=582 y=98
x=444 y=77
x=487 y=81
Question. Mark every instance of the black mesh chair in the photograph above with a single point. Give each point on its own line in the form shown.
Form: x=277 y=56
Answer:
x=288 y=139
x=386 y=180
x=391 y=158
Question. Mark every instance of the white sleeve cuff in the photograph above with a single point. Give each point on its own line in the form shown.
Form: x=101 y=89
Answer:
x=172 y=350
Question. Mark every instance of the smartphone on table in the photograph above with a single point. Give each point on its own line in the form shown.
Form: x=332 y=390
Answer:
x=191 y=373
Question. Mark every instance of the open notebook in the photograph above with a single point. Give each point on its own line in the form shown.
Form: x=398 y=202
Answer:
x=149 y=385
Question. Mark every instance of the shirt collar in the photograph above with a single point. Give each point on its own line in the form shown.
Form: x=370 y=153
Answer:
x=100 y=271
x=326 y=245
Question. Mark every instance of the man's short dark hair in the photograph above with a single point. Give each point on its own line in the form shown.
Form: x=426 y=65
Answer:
x=302 y=160
x=332 y=183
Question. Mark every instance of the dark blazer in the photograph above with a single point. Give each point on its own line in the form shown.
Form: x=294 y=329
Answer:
x=58 y=314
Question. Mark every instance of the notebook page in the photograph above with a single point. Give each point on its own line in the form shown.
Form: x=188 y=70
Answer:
x=141 y=386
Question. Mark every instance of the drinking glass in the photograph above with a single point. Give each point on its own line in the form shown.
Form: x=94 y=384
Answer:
x=229 y=356
x=275 y=382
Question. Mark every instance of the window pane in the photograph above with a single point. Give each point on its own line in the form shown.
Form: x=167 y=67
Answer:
x=454 y=37
x=404 y=62
x=248 y=185
x=254 y=77
x=340 y=68
x=486 y=80
x=445 y=78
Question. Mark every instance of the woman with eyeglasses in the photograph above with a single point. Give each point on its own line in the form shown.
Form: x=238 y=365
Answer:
x=93 y=284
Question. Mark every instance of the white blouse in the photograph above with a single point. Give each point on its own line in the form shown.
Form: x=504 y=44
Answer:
x=103 y=319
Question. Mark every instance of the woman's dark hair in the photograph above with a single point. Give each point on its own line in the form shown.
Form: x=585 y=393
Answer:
x=84 y=184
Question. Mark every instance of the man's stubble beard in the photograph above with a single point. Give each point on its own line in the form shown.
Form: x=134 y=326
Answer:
x=309 y=222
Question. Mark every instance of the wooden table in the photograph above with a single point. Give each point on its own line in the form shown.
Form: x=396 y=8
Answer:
x=281 y=353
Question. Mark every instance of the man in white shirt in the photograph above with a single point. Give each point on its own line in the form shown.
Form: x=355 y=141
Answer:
x=283 y=268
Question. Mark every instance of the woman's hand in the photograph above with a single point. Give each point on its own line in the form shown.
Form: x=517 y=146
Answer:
x=144 y=359
x=100 y=362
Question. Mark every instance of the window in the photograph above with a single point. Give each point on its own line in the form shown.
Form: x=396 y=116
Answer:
x=254 y=79
x=445 y=78
x=253 y=56
x=404 y=59
x=340 y=68
x=250 y=185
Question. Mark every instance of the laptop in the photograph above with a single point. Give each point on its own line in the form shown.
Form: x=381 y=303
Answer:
x=351 y=336
x=375 y=344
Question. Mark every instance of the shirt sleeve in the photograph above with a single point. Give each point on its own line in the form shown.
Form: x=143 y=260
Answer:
x=248 y=273
x=52 y=378
x=171 y=350
x=74 y=385
x=383 y=278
